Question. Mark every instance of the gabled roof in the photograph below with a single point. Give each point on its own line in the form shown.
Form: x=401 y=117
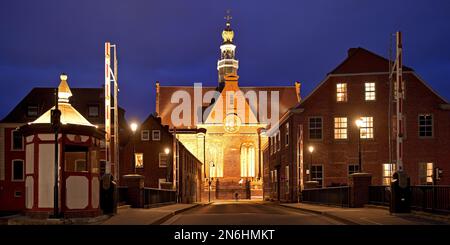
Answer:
x=360 y=60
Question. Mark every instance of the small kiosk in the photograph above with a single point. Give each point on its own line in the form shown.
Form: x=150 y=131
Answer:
x=78 y=160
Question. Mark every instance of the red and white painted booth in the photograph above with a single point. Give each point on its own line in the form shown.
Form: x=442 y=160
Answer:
x=78 y=146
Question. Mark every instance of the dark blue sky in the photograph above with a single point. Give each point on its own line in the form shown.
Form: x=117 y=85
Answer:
x=177 y=42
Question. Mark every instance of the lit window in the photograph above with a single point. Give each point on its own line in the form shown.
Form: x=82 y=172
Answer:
x=353 y=168
x=317 y=174
x=370 y=91
x=248 y=160
x=145 y=135
x=139 y=160
x=93 y=111
x=275 y=176
x=426 y=173
x=287 y=135
x=163 y=160
x=426 y=125
x=17 y=140
x=366 y=131
x=341 y=92
x=156 y=135
x=315 y=128
x=388 y=171
x=340 y=128
x=32 y=111
x=17 y=170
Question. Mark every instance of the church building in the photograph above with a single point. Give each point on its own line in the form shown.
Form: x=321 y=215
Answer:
x=224 y=125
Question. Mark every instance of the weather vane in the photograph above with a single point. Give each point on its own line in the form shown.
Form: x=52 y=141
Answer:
x=228 y=16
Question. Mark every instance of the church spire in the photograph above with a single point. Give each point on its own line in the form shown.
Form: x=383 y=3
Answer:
x=227 y=63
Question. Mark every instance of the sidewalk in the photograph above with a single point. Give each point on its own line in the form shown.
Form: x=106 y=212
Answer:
x=144 y=216
x=365 y=216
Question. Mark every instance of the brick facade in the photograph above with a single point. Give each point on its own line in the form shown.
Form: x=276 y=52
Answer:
x=335 y=155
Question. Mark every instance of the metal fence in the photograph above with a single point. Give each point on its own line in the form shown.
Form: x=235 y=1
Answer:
x=380 y=195
x=156 y=196
x=431 y=198
x=428 y=198
x=337 y=196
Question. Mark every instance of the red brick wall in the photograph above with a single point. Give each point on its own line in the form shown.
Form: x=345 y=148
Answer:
x=8 y=201
x=336 y=155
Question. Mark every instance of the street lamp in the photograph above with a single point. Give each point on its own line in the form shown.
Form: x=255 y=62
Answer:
x=167 y=151
x=211 y=164
x=311 y=150
x=134 y=127
x=359 y=123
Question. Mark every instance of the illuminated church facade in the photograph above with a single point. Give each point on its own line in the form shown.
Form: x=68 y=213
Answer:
x=224 y=126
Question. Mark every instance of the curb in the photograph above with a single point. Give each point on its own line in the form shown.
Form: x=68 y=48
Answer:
x=170 y=215
x=335 y=217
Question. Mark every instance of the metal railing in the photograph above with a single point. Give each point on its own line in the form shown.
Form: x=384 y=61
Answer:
x=157 y=196
x=431 y=198
x=336 y=196
x=380 y=195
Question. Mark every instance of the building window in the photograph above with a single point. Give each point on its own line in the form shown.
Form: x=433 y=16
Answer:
x=163 y=159
x=286 y=136
x=340 y=128
x=279 y=140
x=145 y=135
x=341 y=92
x=248 y=160
x=317 y=174
x=16 y=140
x=353 y=168
x=17 y=170
x=93 y=111
x=369 y=91
x=139 y=160
x=80 y=165
x=275 y=176
x=315 y=128
x=426 y=125
x=366 y=131
x=388 y=171
x=156 y=135
x=426 y=173
x=32 y=111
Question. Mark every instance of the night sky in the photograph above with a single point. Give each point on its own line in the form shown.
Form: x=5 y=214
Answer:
x=177 y=42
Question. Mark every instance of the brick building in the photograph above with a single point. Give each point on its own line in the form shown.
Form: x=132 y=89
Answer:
x=156 y=152
x=358 y=88
x=89 y=102
x=231 y=148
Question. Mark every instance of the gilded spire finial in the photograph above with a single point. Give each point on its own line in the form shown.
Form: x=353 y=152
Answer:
x=228 y=34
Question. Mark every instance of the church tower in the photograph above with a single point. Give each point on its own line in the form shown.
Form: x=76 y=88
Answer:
x=227 y=63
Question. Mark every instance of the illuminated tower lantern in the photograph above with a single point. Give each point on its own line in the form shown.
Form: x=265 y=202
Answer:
x=227 y=63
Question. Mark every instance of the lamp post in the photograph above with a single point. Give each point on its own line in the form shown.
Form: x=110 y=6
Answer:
x=211 y=164
x=311 y=150
x=134 y=127
x=359 y=124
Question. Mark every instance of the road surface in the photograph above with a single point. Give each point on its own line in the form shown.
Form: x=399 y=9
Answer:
x=247 y=213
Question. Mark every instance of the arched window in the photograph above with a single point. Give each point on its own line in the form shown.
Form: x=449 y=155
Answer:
x=248 y=160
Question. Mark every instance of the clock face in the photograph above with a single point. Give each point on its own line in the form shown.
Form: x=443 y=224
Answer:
x=232 y=123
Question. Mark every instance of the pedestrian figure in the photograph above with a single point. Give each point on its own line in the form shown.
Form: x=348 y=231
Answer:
x=236 y=196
